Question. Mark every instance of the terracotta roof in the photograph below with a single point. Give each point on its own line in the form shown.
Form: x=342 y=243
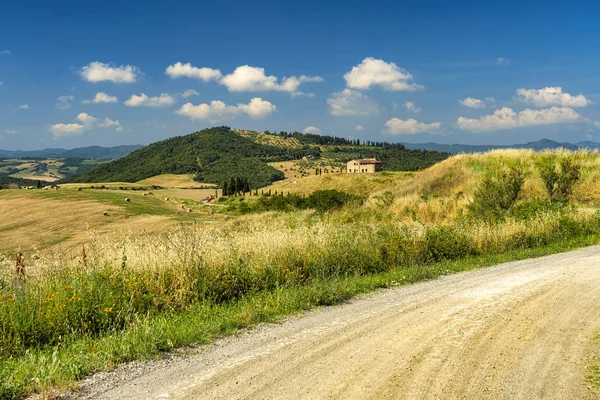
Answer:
x=367 y=161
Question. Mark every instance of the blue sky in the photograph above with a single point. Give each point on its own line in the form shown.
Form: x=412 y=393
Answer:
x=77 y=74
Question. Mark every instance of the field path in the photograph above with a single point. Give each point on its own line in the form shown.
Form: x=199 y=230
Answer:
x=519 y=330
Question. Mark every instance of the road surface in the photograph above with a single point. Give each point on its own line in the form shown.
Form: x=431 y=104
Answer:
x=519 y=330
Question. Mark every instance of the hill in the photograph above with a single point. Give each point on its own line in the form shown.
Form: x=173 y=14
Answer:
x=543 y=144
x=215 y=155
x=95 y=152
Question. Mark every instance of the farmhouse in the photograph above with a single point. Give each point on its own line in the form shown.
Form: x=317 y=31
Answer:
x=364 y=166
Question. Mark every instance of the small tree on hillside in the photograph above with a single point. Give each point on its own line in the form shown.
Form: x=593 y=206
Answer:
x=559 y=177
x=496 y=194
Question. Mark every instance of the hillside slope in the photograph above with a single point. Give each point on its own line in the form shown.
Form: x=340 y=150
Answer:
x=213 y=155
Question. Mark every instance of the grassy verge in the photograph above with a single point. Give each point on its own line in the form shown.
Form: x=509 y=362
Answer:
x=58 y=367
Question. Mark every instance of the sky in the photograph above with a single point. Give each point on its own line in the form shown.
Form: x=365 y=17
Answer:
x=77 y=74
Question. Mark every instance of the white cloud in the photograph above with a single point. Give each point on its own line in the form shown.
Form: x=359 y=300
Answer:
x=312 y=129
x=102 y=97
x=257 y=108
x=164 y=100
x=24 y=107
x=397 y=126
x=216 y=110
x=359 y=128
x=552 y=96
x=189 y=93
x=351 y=102
x=11 y=131
x=5 y=53
x=1 y=83
x=107 y=123
x=470 y=102
x=65 y=130
x=502 y=61
x=412 y=107
x=64 y=102
x=375 y=72
x=253 y=79
x=179 y=70
x=98 y=72
x=302 y=94
x=507 y=118
x=87 y=122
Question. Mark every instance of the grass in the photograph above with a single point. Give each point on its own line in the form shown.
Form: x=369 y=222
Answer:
x=53 y=369
x=594 y=375
x=132 y=296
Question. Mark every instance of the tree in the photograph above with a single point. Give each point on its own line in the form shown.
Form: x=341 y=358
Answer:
x=497 y=193
x=559 y=177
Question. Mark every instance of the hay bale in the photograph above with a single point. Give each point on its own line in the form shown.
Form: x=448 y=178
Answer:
x=79 y=189
x=127 y=199
x=166 y=199
x=105 y=213
x=144 y=194
x=190 y=210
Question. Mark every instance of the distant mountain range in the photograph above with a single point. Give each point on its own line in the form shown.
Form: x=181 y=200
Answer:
x=95 y=152
x=543 y=144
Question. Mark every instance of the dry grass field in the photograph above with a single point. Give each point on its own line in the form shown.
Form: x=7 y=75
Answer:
x=184 y=181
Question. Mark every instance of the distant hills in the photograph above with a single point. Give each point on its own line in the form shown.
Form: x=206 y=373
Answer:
x=95 y=152
x=216 y=155
x=543 y=144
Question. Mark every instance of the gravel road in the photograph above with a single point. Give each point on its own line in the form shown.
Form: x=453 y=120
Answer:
x=519 y=330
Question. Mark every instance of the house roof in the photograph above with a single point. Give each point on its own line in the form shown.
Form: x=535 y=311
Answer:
x=367 y=161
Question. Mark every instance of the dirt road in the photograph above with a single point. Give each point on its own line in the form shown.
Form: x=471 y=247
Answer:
x=519 y=330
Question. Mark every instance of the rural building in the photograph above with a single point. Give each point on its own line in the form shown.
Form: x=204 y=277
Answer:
x=364 y=166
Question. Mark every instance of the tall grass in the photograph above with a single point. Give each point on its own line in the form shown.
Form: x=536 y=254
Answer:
x=111 y=289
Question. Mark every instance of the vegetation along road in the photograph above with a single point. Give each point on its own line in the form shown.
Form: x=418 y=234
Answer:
x=520 y=330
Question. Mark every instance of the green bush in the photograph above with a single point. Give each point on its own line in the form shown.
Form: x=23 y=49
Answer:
x=444 y=243
x=496 y=194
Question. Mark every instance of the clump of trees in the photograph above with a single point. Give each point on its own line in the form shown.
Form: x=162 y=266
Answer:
x=237 y=186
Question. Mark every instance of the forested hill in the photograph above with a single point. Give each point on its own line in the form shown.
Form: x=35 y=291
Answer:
x=215 y=155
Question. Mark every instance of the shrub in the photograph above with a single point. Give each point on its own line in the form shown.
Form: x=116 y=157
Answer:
x=443 y=243
x=559 y=178
x=496 y=194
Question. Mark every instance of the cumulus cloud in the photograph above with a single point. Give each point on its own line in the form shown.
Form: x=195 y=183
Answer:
x=216 y=110
x=470 y=102
x=351 y=102
x=359 y=128
x=302 y=94
x=5 y=53
x=11 y=131
x=1 y=83
x=412 y=107
x=85 y=122
x=507 y=118
x=376 y=72
x=164 y=100
x=64 y=102
x=102 y=97
x=397 y=126
x=24 y=107
x=65 y=130
x=312 y=129
x=179 y=70
x=502 y=61
x=98 y=72
x=189 y=93
x=253 y=79
x=552 y=96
